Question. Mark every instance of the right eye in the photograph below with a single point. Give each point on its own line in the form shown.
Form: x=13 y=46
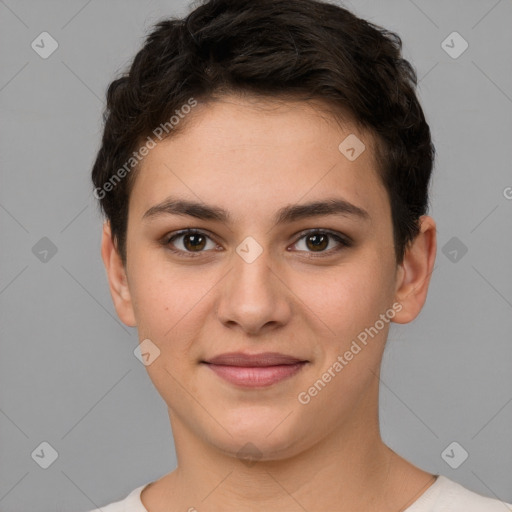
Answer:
x=193 y=241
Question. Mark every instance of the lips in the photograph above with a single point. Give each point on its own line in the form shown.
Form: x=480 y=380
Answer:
x=255 y=370
x=254 y=360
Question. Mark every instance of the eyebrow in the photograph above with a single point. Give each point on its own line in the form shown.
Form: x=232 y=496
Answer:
x=287 y=214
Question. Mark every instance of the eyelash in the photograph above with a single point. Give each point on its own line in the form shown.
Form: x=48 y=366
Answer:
x=344 y=241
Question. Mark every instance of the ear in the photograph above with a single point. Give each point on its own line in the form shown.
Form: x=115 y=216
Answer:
x=117 y=278
x=413 y=276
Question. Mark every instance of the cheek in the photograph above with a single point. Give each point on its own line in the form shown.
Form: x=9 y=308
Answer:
x=157 y=304
x=347 y=299
x=168 y=301
x=167 y=305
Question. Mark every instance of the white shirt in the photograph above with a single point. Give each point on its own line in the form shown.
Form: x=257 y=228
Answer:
x=444 y=495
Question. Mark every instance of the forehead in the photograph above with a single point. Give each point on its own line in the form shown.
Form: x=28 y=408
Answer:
x=251 y=155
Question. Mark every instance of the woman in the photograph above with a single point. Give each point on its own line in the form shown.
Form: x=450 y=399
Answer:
x=264 y=173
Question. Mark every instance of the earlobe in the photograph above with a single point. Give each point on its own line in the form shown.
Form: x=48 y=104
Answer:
x=117 y=279
x=415 y=272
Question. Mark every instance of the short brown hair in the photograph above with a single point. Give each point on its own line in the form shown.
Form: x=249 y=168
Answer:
x=272 y=48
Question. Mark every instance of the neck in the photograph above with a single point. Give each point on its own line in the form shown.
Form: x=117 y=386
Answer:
x=348 y=470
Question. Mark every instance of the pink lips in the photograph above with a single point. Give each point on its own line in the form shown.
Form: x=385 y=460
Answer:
x=254 y=370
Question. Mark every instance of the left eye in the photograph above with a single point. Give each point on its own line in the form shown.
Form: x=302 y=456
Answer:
x=318 y=241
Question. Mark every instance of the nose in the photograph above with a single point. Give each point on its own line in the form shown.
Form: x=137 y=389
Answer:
x=254 y=298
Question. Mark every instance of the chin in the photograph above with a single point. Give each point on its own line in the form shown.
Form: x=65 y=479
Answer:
x=262 y=440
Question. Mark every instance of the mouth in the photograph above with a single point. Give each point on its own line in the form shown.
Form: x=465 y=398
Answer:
x=256 y=370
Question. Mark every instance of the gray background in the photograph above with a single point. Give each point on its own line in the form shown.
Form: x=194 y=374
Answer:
x=68 y=375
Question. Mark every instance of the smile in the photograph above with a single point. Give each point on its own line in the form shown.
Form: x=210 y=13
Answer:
x=256 y=376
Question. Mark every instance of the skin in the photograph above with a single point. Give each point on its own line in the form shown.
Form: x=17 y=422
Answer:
x=252 y=158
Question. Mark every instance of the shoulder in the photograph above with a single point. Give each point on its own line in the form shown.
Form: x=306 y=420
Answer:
x=446 y=495
x=131 y=503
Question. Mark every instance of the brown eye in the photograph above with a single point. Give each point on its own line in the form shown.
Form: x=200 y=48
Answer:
x=194 y=241
x=188 y=242
x=317 y=242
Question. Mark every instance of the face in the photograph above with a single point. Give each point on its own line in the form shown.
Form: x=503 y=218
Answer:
x=269 y=276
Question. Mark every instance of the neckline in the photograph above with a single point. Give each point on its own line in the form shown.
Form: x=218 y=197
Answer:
x=428 y=494
x=134 y=499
